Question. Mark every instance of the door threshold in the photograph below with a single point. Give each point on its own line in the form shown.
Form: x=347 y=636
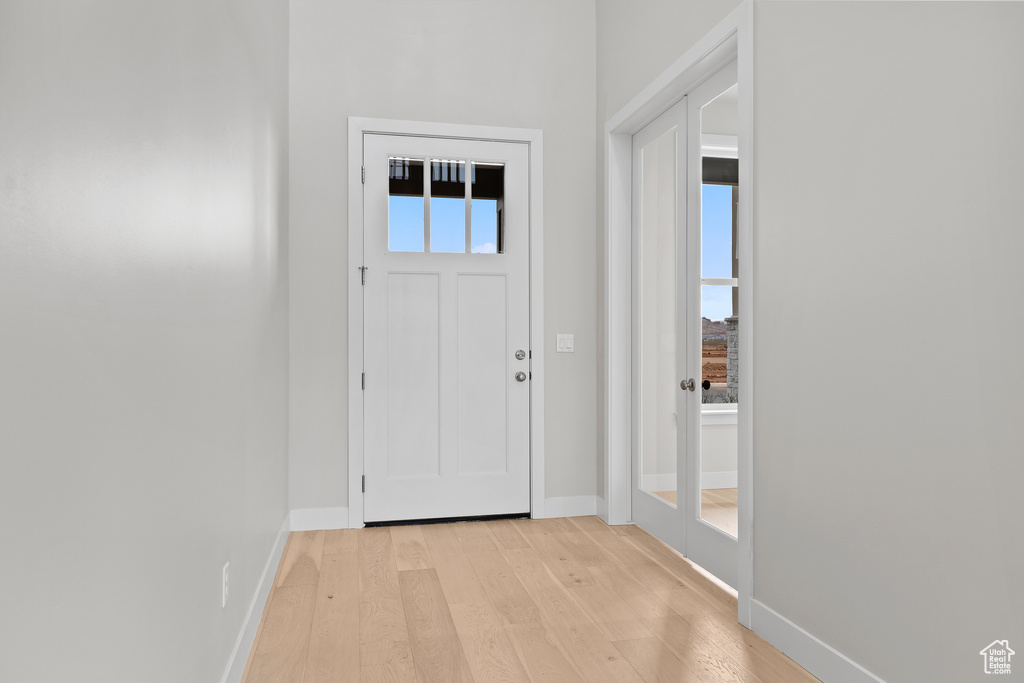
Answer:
x=448 y=520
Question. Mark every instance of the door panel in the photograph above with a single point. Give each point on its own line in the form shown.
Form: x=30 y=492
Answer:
x=414 y=372
x=483 y=368
x=710 y=494
x=446 y=301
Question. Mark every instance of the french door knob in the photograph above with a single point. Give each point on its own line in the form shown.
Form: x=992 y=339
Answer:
x=688 y=384
x=520 y=376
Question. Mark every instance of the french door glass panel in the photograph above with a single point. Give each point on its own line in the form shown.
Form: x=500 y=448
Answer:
x=719 y=313
x=658 y=184
x=712 y=326
x=658 y=306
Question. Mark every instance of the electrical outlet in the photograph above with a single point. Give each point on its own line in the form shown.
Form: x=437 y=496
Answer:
x=224 y=585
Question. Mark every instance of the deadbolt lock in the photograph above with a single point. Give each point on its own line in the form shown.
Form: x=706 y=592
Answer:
x=520 y=354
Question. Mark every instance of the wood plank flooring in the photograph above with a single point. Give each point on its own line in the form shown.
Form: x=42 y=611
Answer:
x=548 y=601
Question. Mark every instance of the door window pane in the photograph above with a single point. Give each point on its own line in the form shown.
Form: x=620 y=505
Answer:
x=405 y=204
x=488 y=193
x=719 y=330
x=447 y=206
x=657 y=273
x=719 y=302
x=716 y=228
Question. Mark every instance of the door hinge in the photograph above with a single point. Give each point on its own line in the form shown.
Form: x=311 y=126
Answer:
x=363 y=171
x=363 y=382
x=364 y=483
x=362 y=274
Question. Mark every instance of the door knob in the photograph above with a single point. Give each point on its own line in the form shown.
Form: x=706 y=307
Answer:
x=520 y=376
x=520 y=354
x=688 y=384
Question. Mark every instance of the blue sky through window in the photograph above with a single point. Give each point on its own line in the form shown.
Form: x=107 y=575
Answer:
x=447 y=224
x=447 y=219
x=485 y=226
x=405 y=223
x=716 y=249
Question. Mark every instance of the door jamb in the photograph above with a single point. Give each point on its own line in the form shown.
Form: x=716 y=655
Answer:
x=357 y=127
x=732 y=39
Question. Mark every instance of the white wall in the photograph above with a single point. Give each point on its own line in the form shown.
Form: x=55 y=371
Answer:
x=143 y=312
x=888 y=470
x=525 y=64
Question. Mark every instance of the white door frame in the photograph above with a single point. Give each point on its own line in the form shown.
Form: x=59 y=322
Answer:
x=732 y=39
x=357 y=127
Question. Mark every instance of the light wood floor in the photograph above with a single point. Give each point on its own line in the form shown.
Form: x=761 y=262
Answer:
x=552 y=601
x=717 y=506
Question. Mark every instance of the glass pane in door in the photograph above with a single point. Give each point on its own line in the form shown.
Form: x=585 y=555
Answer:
x=719 y=313
x=657 y=291
x=405 y=204
x=447 y=206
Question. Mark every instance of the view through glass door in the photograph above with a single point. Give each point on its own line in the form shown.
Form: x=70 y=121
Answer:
x=713 y=300
x=685 y=303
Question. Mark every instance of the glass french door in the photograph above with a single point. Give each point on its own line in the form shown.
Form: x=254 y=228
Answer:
x=686 y=327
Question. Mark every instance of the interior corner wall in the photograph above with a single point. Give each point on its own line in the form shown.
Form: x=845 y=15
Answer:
x=143 y=332
x=887 y=455
x=636 y=41
x=512 y=63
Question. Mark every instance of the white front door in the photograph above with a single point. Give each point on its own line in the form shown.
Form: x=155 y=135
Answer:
x=447 y=328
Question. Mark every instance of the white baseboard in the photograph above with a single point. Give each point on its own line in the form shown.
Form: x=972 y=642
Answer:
x=243 y=645
x=718 y=480
x=570 y=506
x=823 y=661
x=315 y=519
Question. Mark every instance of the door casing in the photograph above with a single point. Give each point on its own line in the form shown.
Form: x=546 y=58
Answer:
x=357 y=127
x=731 y=40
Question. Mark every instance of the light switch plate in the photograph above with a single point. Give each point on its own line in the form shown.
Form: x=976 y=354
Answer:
x=564 y=343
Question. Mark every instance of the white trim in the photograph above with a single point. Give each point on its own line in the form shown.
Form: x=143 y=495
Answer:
x=618 y=325
x=315 y=519
x=732 y=39
x=355 y=322
x=718 y=418
x=745 y=235
x=357 y=127
x=243 y=644
x=822 y=660
x=537 y=485
x=571 y=506
x=721 y=146
x=718 y=480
